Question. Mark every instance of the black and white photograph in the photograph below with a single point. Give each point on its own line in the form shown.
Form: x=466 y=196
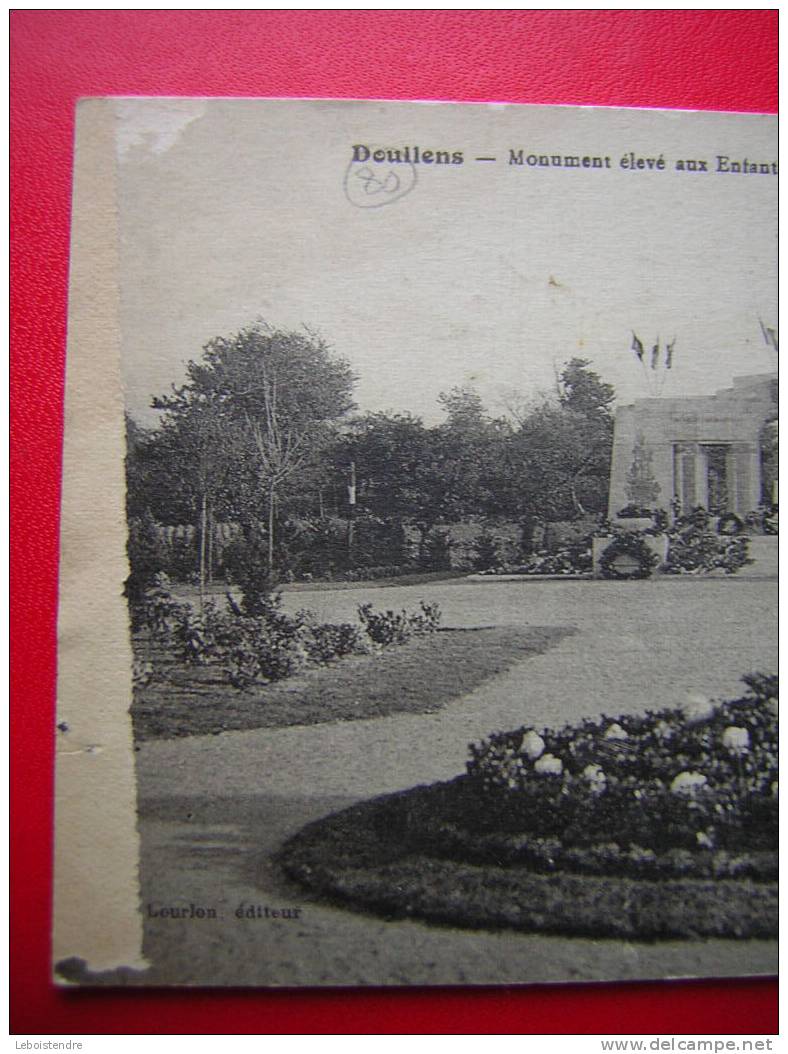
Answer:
x=418 y=609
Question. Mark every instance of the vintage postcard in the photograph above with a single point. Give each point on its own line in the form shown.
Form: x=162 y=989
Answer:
x=419 y=546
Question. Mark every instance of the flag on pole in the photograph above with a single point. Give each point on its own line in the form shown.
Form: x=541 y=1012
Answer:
x=655 y=355
x=669 y=354
x=769 y=335
x=637 y=346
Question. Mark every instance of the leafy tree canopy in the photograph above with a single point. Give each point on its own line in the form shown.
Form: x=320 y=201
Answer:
x=583 y=391
x=312 y=384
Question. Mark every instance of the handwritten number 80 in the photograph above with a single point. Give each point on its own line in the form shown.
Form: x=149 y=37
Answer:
x=375 y=185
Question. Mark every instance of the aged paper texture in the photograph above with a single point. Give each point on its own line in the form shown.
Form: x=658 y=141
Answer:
x=96 y=887
x=419 y=624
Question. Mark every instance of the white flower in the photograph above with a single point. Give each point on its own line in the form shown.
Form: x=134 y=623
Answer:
x=697 y=708
x=596 y=778
x=549 y=765
x=662 y=729
x=687 y=783
x=615 y=731
x=704 y=840
x=736 y=739
x=532 y=745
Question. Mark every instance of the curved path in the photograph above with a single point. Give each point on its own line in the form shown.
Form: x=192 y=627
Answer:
x=213 y=809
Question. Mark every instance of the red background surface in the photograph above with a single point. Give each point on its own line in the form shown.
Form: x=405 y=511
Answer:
x=712 y=60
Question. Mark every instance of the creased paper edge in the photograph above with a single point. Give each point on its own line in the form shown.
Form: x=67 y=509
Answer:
x=97 y=924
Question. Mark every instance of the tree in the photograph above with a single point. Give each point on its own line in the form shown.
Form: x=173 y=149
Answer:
x=472 y=449
x=583 y=391
x=393 y=464
x=282 y=448
x=564 y=445
x=254 y=412
x=464 y=410
x=426 y=477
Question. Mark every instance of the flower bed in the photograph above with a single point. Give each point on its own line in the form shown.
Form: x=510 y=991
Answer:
x=654 y=825
x=702 y=779
x=258 y=643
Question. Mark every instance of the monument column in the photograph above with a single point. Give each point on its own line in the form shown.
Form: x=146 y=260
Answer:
x=746 y=493
x=689 y=467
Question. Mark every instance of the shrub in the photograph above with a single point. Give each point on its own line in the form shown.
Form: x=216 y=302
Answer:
x=246 y=564
x=182 y=558
x=378 y=542
x=325 y=641
x=265 y=649
x=392 y=627
x=426 y=620
x=270 y=645
x=486 y=551
x=385 y=627
x=190 y=641
x=435 y=554
x=201 y=638
x=528 y=530
x=147 y=557
x=258 y=596
x=320 y=549
x=159 y=611
x=574 y=558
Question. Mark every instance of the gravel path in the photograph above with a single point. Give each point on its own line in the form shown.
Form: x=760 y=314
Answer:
x=213 y=809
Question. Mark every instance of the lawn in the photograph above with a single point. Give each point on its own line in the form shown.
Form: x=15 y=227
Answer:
x=420 y=676
x=381 y=856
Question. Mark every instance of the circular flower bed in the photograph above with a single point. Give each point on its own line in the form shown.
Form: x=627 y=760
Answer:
x=663 y=824
x=700 y=775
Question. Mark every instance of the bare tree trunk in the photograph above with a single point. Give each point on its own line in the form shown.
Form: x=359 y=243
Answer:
x=575 y=500
x=271 y=492
x=210 y=543
x=203 y=517
x=350 y=533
